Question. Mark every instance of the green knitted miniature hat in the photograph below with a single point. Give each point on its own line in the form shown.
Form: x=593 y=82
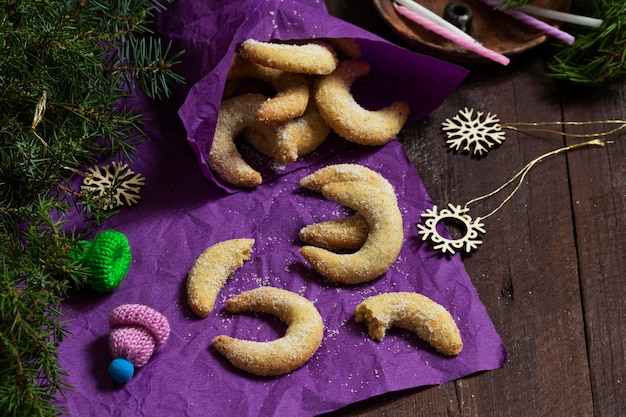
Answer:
x=107 y=258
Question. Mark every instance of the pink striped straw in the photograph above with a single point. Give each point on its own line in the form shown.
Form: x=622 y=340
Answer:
x=532 y=21
x=468 y=43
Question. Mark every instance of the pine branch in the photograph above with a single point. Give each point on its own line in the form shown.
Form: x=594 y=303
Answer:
x=597 y=55
x=61 y=108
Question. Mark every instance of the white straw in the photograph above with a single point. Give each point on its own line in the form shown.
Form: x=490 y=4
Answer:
x=562 y=16
x=433 y=17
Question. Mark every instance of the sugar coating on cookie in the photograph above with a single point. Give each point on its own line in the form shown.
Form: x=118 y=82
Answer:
x=310 y=130
x=234 y=116
x=347 y=117
x=383 y=243
x=211 y=270
x=283 y=355
x=312 y=57
x=346 y=233
x=346 y=172
x=414 y=312
x=350 y=232
x=292 y=90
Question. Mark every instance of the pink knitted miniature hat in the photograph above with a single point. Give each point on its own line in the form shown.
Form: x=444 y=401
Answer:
x=136 y=331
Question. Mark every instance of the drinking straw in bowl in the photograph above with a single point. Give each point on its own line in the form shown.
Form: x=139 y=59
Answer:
x=436 y=24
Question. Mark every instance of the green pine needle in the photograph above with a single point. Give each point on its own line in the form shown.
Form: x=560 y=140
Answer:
x=66 y=70
x=598 y=55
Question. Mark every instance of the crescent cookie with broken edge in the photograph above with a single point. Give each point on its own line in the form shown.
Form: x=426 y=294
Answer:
x=234 y=116
x=350 y=232
x=292 y=90
x=211 y=270
x=305 y=330
x=347 y=117
x=414 y=312
x=383 y=243
x=312 y=57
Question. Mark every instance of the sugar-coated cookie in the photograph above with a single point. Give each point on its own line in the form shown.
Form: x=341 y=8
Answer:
x=347 y=117
x=414 y=312
x=283 y=355
x=212 y=269
x=311 y=57
x=234 y=116
x=350 y=232
x=292 y=90
x=383 y=243
x=346 y=173
x=346 y=233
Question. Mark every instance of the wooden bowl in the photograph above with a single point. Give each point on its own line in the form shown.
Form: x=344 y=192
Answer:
x=495 y=30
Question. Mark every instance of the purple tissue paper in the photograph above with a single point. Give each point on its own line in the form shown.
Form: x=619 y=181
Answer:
x=183 y=210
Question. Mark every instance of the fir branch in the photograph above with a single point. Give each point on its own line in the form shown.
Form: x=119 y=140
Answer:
x=61 y=109
x=597 y=55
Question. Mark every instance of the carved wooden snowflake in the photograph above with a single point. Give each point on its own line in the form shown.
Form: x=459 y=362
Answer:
x=471 y=132
x=115 y=184
x=471 y=228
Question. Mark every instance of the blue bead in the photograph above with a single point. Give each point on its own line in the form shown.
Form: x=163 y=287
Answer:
x=121 y=370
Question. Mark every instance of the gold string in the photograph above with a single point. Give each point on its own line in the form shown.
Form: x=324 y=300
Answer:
x=536 y=127
x=521 y=175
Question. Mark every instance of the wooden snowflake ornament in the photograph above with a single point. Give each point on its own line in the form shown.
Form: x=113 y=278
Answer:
x=471 y=229
x=116 y=184
x=470 y=132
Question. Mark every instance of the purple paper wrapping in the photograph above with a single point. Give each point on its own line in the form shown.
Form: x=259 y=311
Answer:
x=210 y=32
x=182 y=212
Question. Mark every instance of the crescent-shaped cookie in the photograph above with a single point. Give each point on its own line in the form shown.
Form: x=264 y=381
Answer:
x=414 y=312
x=287 y=141
x=383 y=243
x=347 y=117
x=346 y=173
x=283 y=355
x=211 y=270
x=348 y=233
x=292 y=90
x=234 y=116
x=314 y=57
x=310 y=130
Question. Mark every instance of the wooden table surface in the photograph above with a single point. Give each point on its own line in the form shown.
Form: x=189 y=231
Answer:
x=551 y=269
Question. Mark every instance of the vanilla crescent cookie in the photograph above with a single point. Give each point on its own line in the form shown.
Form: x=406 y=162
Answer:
x=275 y=140
x=414 y=312
x=234 y=116
x=383 y=243
x=287 y=141
x=350 y=232
x=311 y=57
x=211 y=270
x=346 y=233
x=347 y=117
x=346 y=172
x=283 y=355
x=310 y=130
x=292 y=90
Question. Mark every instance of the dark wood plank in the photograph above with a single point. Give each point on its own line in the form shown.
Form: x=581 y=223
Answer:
x=526 y=270
x=549 y=271
x=599 y=197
